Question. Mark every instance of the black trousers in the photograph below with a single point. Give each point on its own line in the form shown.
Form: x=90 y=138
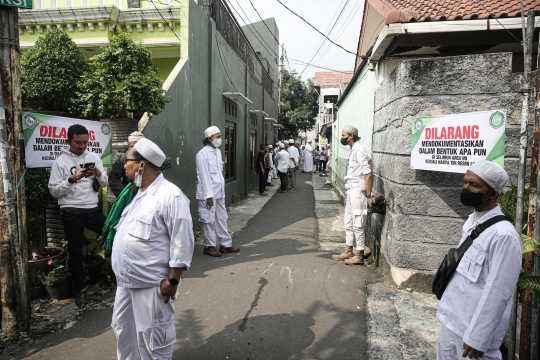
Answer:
x=262 y=181
x=321 y=166
x=74 y=225
x=283 y=179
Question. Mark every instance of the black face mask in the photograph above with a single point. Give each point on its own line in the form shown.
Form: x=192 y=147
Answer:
x=468 y=198
x=344 y=141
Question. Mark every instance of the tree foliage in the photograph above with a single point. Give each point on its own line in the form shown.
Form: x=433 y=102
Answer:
x=300 y=104
x=50 y=71
x=123 y=78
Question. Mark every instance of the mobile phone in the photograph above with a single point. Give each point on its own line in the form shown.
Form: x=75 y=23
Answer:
x=89 y=166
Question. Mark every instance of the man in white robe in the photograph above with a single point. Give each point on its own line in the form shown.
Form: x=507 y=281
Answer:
x=308 y=158
x=475 y=308
x=211 y=195
x=152 y=247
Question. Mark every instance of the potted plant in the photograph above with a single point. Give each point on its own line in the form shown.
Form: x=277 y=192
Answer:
x=93 y=260
x=36 y=287
x=58 y=282
x=41 y=261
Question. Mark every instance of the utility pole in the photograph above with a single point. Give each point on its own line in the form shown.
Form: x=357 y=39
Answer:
x=13 y=242
x=281 y=66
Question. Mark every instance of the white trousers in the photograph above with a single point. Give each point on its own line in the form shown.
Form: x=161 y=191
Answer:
x=355 y=218
x=450 y=347
x=143 y=324
x=214 y=222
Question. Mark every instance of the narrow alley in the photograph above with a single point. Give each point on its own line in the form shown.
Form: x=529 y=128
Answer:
x=279 y=298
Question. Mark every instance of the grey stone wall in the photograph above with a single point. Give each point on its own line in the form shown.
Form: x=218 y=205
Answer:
x=424 y=214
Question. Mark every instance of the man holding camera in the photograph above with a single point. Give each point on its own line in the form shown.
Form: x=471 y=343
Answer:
x=76 y=178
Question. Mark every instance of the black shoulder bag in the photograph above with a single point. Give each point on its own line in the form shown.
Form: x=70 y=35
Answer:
x=452 y=259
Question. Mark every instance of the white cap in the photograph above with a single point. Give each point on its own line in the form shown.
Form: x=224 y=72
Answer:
x=309 y=141
x=212 y=130
x=349 y=129
x=281 y=145
x=150 y=151
x=291 y=141
x=277 y=144
x=493 y=174
x=135 y=136
x=269 y=146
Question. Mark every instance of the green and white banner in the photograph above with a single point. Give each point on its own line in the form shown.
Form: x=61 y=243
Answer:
x=452 y=143
x=46 y=135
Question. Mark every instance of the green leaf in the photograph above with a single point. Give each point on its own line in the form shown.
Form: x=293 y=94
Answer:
x=531 y=283
x=529 y=244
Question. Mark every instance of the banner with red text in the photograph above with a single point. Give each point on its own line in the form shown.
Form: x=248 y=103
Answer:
x=452 y=143
x=46 y=135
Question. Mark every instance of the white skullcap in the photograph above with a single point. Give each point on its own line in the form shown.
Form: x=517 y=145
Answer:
x=349 y=129
x=493 y=174
x=277 y=144
x=135 y=136
x=291 y=141
x=309 y=141
x=270 y=146
x=281 y=145
x=150 y=151
x=212 y=130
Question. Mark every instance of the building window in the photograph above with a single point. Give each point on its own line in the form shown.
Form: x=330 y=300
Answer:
x=253 y=148
x=231 y=108
x=230 y=151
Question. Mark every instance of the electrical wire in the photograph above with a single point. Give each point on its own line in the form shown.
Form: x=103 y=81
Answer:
x=307 y=22
x=300 y=62
x=223 y=64
x=346 y=2
x=342 y=29
x=160 y=14
x=270 y=31
x=248 y=23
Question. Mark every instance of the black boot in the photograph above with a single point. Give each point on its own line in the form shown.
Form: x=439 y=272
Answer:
x=80 y=300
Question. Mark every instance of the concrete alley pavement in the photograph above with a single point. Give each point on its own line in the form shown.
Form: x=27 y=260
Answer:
x=279 y=298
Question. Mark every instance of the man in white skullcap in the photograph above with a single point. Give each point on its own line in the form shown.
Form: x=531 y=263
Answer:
x=294 y=164
x=152 y=247
x=211 y=195
x=475 y=308
x=270 y=157
x=117 y=176
x=308 y=158
x=282 y=164
x=358 y=185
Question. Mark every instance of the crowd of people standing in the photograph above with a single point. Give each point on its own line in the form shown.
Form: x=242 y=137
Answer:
x=284 y=160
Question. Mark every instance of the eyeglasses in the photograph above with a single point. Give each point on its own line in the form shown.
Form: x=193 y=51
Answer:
x=128 y=160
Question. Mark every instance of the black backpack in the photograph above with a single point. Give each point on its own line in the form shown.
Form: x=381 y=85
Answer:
x=453 y=258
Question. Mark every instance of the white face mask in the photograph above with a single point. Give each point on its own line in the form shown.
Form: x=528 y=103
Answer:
x=138 y=179
x=216 y=142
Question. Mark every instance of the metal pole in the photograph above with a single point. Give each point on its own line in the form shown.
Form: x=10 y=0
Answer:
x=527 y=53
x=526 y=313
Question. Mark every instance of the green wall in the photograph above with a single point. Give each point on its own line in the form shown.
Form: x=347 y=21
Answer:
x=165 y=66
x=355 y=109
x=198 y=103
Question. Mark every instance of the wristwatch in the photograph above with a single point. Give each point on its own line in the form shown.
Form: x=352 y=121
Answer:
x=173 y=282
x=71 y=181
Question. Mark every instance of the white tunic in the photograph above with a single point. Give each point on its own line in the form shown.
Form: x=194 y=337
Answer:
x=282 y=160
x=477 y=302
x=210 y=180
x=308 y=159
x=294 y=155
x=358 y=163
x=154 y=234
